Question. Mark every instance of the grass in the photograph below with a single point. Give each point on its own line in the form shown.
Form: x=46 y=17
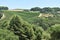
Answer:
x=27 y=16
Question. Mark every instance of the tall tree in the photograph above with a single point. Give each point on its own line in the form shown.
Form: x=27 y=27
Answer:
x=21 y=28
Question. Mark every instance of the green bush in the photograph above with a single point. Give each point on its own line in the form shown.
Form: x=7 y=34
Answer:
x=24 y=30
x=21 y=28
x=55 y=32
x=7 y=35
x=46 y=36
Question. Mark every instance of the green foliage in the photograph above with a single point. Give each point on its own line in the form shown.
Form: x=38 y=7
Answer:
x=38 y=32
x=55 y=32
x=35 y=9
x=46 y=22
x=56 y=8
x=4 y=25
x=7 y=35
x=26 y=31
x=46 y=10
x=3 y=8
x=43 y=22
x=21 y=28
x=46 y=36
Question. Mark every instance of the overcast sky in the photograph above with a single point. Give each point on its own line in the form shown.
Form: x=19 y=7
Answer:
x=27 y=4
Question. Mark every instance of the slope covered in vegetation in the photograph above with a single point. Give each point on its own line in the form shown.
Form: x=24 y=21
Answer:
x=26 y=25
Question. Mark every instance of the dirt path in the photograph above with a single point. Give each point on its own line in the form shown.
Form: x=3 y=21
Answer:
x=2 y=17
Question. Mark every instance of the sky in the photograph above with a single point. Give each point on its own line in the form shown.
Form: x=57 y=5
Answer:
x=27 y=4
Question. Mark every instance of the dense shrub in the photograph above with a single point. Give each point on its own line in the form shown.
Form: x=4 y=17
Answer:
x=24 y=30
x=4 y=25
x=38 y=32
x=55 y=32
x=7 y=35
x=21 y=28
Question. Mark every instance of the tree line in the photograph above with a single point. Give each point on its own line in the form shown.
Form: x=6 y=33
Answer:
x=45 y=9
x=3 y=8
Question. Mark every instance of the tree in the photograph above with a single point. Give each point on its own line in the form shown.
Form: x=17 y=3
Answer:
x=46 y=9
x=3 y=8
x=7 y=35
x=21 y=28
x=55 y=32
x=56 y=8
x=35 y=9
x=38 y=32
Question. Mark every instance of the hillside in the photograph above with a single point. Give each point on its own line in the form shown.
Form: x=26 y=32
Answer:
x=33 y=18
x=24 y=15
x=31 y=23
x=29 y=20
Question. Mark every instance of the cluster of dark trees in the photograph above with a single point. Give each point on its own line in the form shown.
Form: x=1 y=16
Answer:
x=45 y=9
x=18 y=29
x=3 y=8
